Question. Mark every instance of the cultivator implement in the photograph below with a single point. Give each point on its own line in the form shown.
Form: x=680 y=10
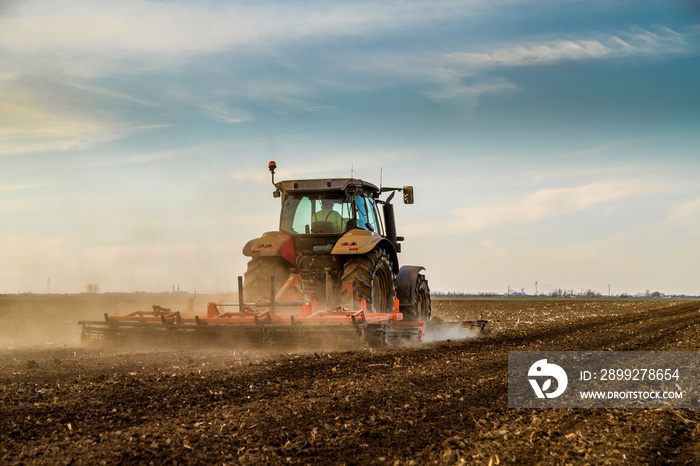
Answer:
x=284 y=322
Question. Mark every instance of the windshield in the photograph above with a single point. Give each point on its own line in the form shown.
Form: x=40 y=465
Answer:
x=304 y=214
x=366 y=214
x=308 y=214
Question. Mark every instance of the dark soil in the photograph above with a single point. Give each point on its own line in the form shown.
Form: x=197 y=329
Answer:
x=441 y=402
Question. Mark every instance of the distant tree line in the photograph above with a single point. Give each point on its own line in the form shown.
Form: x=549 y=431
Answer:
x=92 y=288
x=460 y=294
x=558 y=293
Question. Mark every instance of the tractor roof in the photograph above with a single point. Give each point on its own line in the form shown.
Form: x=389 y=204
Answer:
x=326 y=185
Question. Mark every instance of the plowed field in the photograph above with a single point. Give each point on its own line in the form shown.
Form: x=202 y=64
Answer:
x=442 y=402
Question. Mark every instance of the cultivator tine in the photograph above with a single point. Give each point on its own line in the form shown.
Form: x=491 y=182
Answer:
x=479 y=323
x=329 y=288
x=272 y=295
x=158 y=310
x=241 y=301
x=350 y=296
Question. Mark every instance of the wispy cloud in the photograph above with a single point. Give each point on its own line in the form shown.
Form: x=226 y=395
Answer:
x=113 y=94
x=21 y=187
x=547 y=203
x=37 y=121
x=635 y=43
x=155 y=27
x=20 y=203
x=226 y=114
x=458 y=69
x=26 y=126
x=473 y=91
x=497 y=250
x=609 y=146
x=148 y=157
x=685 y=210
x=476 y=71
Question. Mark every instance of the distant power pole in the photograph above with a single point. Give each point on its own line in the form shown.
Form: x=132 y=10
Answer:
x=609 y=295
x=536 y=289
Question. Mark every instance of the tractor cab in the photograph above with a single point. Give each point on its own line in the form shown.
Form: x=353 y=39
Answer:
x=334 y=206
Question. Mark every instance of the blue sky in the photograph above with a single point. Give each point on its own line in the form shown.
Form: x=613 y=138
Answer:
x=548 y=141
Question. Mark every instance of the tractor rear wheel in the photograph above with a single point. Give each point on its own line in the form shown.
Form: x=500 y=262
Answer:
x=372 y=278
x=256 y=283
x=419 y=311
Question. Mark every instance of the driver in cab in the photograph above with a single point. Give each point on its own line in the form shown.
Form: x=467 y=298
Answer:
x=327 y=214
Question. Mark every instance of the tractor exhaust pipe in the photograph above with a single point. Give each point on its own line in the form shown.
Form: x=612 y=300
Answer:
x=390 y=225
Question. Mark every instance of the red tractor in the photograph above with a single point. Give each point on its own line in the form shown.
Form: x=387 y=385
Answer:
x=337 y=245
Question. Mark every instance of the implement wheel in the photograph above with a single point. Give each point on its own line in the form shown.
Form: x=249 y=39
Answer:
x=256 y=283
x=372 y=279
x=420 y=310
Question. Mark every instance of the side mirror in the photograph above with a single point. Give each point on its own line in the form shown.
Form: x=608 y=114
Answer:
x=408 y=194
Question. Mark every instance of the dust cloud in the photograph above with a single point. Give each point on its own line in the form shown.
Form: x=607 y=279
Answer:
x=52 y=320
x=444 y=331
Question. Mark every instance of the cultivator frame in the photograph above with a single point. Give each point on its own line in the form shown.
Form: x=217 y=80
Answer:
x=257 y=323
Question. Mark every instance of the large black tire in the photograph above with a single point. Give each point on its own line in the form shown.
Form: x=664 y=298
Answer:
x=419 y=311
x=372 y=278
x=256 y=282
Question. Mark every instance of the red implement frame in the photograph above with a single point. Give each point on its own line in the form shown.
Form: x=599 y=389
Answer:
x=299 y=314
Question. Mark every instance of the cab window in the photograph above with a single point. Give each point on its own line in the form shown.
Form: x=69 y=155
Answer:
x=366 y=214
x=303 y=214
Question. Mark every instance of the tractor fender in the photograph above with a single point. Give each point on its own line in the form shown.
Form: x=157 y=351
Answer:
x=270 y=244
x=406 y=282
x=358 y=242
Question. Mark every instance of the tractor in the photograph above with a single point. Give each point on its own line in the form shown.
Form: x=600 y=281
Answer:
x=336 y=246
